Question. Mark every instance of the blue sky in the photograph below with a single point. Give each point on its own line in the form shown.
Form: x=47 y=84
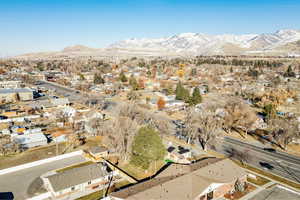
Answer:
x=47 y=25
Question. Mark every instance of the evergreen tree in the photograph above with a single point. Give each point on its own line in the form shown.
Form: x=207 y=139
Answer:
x=181 y=92
x=270 y=111
x=196 y=98
x=147 y=147
x=122 y=77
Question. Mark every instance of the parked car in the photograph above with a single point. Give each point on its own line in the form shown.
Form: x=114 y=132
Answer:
x=38 y=83
x=266 y=165
x=3 y=117
x=270 y=150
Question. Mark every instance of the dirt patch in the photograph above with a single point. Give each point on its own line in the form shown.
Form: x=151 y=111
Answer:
x=31 y=155
x=294 y=149
x=44 y=152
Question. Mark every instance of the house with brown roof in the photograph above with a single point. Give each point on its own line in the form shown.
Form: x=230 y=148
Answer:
x=205 y=180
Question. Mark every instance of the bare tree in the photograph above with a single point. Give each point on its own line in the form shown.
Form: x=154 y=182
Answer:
x=203 y=127
x=209 y=128
x=133 y=96
x=62 y=117
x=284 y=131
x=7 y=145
x=191 y=127
x=160 y=123
x=239 y=116
x=120 y=136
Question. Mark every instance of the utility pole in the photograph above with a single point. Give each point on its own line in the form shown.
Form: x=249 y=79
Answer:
x=56 y=144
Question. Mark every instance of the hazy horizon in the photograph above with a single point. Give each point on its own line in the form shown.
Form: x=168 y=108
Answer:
x=34 y=26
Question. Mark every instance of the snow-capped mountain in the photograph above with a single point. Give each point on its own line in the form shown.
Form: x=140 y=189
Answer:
x=197 y=43
x=280 y=43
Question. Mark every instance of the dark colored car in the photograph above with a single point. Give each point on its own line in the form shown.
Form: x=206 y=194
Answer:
x=270 y=150
x=38 y=83
x=3 y=117
x=266 y=165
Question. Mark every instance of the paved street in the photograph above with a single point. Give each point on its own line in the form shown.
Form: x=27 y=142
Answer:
x=68 y=92
x=76 y=96
x=285 y=165
x=18 y=182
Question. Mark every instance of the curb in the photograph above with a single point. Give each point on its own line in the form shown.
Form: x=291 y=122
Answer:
x=39 y=162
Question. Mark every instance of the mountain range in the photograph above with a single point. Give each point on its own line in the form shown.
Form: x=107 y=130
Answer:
x=203 y=44
x=281 y=43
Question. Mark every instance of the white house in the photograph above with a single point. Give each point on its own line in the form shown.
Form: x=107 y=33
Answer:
x=30 y=140
x=80 y=181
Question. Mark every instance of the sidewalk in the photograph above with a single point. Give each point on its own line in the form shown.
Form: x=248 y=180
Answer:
x=259 y=189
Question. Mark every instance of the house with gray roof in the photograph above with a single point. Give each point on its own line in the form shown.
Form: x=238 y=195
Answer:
x=78 y=181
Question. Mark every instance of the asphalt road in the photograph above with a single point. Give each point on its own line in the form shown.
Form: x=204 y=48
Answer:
x=285 y=165
x=64 y=91
x=74 y=95
x=19 y=182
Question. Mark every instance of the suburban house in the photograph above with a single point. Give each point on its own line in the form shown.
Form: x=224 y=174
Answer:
x=179 y=154
x=88 y=118
x=79 y=181
x=10 y=84
x=59 y=134
x=203 y=89
x=60 y=102
x=30 y=140
x=208 y=179
x=12 y=95
x=175 y=103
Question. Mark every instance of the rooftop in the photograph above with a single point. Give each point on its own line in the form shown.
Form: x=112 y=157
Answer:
x=97 y=149
x=76 y=176
x=17 y=90
x=190 y=180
